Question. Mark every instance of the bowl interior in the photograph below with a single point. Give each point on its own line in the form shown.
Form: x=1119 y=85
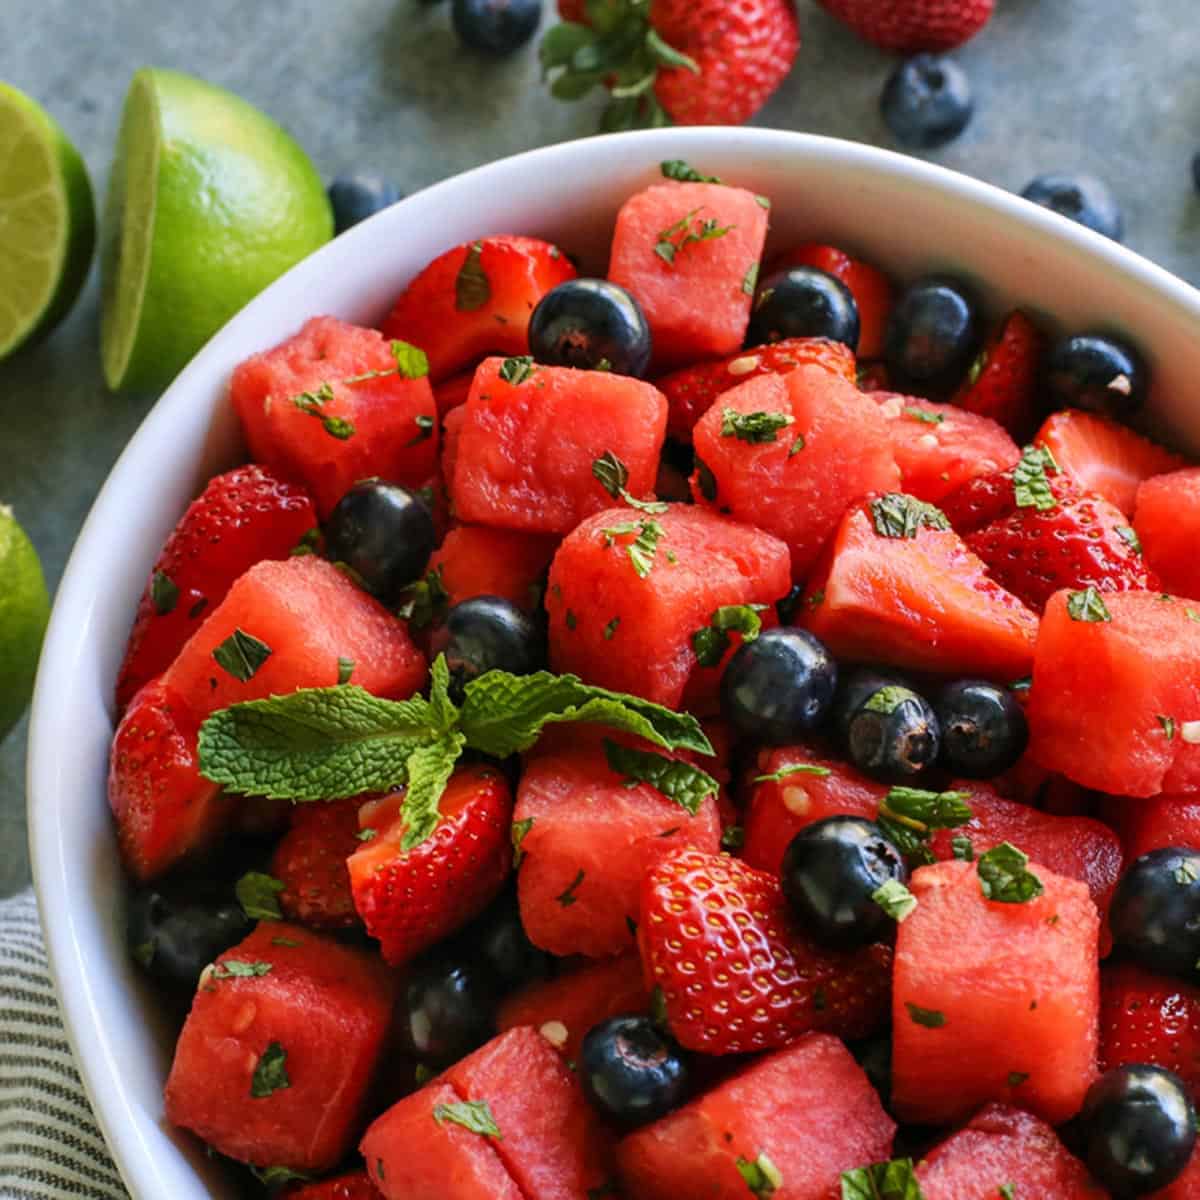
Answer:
x=908 y=216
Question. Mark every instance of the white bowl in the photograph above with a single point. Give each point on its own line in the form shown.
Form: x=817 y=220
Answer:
x=905 y=214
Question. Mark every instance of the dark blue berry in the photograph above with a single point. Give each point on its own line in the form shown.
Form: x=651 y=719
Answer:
x=855 y=687
x=926 y=101
x=1155 y=911
x=592 y=324
x=932 y=334
x=631 y=1071
x=1091 y=371
x=983 y=727
x=800 y=303
x=1138 y=1127
x=778 y=686
x=496 y=26
x=498 y=937
x=384 y=533
x=894 y=734
x=831 y=869
x=487 y=633
x=447 y=1009
x=1083 y=198
x=357 y=197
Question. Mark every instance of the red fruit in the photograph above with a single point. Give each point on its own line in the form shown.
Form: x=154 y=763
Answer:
x=452 y=392
x=966 y=967
x=908 y=26
x=1147 y=825
x=736 y=975
x=1147 y=1018
x=356 y=1185
x=923 y=602
x=573 y=10
x=1167 y=519
x=474 y=560
x=164 y=809
x=327 y=407
x=1003 y=380
x=476 y=300
x=274 y=1063
x=988 y=498
x=692 y=391
x=1104 y=457
x=410 y=899
x=833 y=451
x=870 y=287
x=240 y=518
x=310 y=862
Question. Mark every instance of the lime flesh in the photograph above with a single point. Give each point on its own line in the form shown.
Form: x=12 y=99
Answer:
x=24 y=609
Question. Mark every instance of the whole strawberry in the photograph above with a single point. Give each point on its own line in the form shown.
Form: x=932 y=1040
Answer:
x=909 y=26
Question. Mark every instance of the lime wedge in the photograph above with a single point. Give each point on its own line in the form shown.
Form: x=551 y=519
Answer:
x=47 y=222
x=209 y=201
x=24 y=609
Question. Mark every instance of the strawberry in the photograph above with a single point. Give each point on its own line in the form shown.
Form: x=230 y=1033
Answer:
x=692 y=391
x=1002 y=383
x=355 y=1185
x=242 y=517
x=735 y=974
x=712 y=62
x=988 y=498
x=908 y=26
x=1147 y=1018
x=310 y=862
x=410 y=899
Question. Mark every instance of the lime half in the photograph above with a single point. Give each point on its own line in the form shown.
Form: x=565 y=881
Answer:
x=24 y=610
x=47 y=221
x=209 y=201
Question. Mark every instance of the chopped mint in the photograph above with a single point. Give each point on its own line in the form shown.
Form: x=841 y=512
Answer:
x=895 y=900
x=474 y=1115
x=761 y=1175
x=897 y=515
x=711 y=642
x=270 y=1075
x=683 y=172
x=520 y=830
x=1031 y=487
x=895 y=1180
x=472 y=288
x=750 y=279
x=568 y=896
x=887 y=699
x=1129 y=536
x=924 y=416
x=241 y=654
x=929 y=1017
x=411 y=362
x=792 y=769
x=1004 y=875
x=233 y=968
x=1168 y=725
x=756 y=428
x=164 y=593
x=671 y=241
x=611 y=628
x=613 y=476
x=517 y=370
x=680 y=781
x=1087 y=605
x=256 y=894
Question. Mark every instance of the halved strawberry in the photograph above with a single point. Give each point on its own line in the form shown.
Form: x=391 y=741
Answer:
x=410 y=899
x=355 y=1185
x=240 y=518
x=310 y=862
x=476 y=300
x=1002 y=383
x=1104 y=457
x=735 y=973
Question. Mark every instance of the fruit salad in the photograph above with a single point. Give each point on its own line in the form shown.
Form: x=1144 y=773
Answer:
x=726 y=729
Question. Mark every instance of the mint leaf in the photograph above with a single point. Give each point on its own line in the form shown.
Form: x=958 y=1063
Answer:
x=474 y=1115
x=164 y=593
x=895 y=1180
x=569 y=897
x=711 y=642
x=270 y=1075
x=887 y=699
x=924 y=416
x=1031 y=487
x=929 y=1017
x=750 y=282
x=613 y=475
x=761 y=1176
x=1168 y=725
x=907 y=816
x=241 y=654
x=234 y=968
x=1004 y=875
x=429 y=769
x=256 y=894
x=683 y=172
x=682 y=782
x=273 y=1178
x=520 y=830
x=897 y=515
x=895 y=900
x=472 y=288
x=757 y=428
x=425 y=601
x=793 y=769
x=1087 y=605
x=1129 y=536
x=516 y=370
x=411 y=362
x=677 y=237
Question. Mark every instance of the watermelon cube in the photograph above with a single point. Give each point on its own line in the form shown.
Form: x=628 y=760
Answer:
x=529 y=437
x=1147 y=825
x=474 y=560
x=689 y=252
x=589 y=839
x=629 y=592
x=1115 y=704
x=795 y=481
x=327 y=407
x=278 y=1052
x=1004 y=1147
x=795 y=1119
x=1167 y=520
x=994 y=1001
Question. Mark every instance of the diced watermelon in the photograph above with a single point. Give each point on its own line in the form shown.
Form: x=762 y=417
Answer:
x=1167 y=520
x=628 y=592
x=383 y=425
x=1003 y=1146
x=797 y=485
x=1115 y=705
x=967 y=967
x=801 y=1116
x=277 y=1054
x=308 y=615
x=924 y=602
x=696 y=295
x=526 y=449
x=590 y=839
x=451 y=430
x=1147 y=825
x=474 y=560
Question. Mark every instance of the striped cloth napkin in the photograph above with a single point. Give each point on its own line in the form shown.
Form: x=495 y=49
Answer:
x=50 y=1145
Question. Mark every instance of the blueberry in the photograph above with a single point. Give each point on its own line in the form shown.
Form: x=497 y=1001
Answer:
x=496 y=26
x=1101 y=374
x=357 y=197
x=926 y=101
x=631 y=1071
x=447 y=1009
x=384 y=533
x=498 y=937
x=803 y=302
x=984 y=730
x=1138 y=1126
x=893 y=734
x=593 y=324
x=932 y=334
x=1083 y=198
x=487 y=633
x=855 y=687
x=831 y=869
x=778 y=686
x=1155 y=911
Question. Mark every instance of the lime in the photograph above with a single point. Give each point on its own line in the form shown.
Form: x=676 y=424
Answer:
x=209 y=201
x=47 y=221
x=24 y=609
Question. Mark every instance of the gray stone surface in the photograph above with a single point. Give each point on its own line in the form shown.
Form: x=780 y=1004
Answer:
x=1107 y=86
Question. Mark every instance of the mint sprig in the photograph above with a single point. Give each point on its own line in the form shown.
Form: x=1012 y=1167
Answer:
x=682 y=782
x=895 y=1180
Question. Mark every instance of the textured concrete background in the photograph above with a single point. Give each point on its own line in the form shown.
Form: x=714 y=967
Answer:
x=1104 y=86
